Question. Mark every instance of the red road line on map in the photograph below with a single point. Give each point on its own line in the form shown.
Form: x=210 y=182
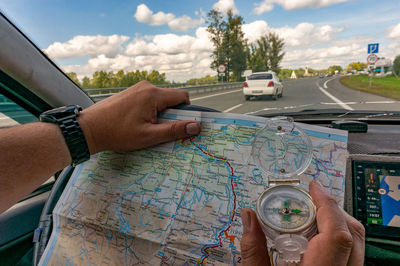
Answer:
x=233 y=191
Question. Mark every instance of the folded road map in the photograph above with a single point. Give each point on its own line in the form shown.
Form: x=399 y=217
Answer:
x=177 y=203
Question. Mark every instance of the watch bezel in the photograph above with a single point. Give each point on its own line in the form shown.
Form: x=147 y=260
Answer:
x=59 y=113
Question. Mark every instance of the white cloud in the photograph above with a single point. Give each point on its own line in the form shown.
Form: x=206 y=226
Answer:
x=268 y=5
x=254 y=30
x=82 y=45
x=306 y=34
x=394 y=32
x=324 y=57
x=263 y=7
x=184 y=23
x=181 y=57
x=171 y=44
x=394 y=49
x=184 y=56
x=303 y=35
x=145 y=15
x=225 y=5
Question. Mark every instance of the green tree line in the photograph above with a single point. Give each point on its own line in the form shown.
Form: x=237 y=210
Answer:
x=119 y=79
x=205 y=79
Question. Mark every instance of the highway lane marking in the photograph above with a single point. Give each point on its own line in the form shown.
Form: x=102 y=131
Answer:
x=342 y=102
x=326 y=82
x=339 y=102
x=214 y=95
x=382 y=102
x=232 y=108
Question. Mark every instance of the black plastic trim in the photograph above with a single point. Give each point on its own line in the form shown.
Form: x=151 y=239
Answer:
x=22 y=96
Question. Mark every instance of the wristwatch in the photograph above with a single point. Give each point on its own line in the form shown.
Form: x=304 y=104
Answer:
x=65 y=118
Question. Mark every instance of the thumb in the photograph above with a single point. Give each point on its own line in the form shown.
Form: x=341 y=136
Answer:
x=254 y=244
x=174 y=130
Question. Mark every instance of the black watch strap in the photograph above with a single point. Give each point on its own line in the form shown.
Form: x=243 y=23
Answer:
x=75 y=140
x=65 y=117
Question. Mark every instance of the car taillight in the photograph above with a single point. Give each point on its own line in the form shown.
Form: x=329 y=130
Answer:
x=245 y=85
x=271 y=84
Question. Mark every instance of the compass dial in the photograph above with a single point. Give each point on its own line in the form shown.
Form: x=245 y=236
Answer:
x=286 y=208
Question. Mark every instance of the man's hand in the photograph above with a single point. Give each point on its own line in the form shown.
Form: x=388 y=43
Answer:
x=128 y=120
x=340 y=238
x=31 y=153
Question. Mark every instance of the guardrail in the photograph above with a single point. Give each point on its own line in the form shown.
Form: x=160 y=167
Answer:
x=100 y=94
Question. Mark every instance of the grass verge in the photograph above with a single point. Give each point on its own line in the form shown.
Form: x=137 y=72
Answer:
x=387 y=86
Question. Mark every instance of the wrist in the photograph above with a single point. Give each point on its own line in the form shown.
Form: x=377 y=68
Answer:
x=88 y=131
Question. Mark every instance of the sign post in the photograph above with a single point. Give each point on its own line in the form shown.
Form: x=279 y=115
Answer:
x=221 y=71
x=373 y=49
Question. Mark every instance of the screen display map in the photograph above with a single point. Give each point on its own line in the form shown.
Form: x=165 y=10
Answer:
x=178 y=203
x=382 y=192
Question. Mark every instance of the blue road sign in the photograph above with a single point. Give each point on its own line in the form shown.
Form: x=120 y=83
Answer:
x=373 y=48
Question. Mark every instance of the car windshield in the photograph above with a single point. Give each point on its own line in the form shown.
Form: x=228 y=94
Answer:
x=260 y=76
x=327 y=55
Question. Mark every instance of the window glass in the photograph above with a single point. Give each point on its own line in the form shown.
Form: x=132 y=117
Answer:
x=260 y=76
x=11 y=114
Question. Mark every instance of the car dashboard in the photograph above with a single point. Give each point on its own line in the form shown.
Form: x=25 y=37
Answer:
x=372 y=193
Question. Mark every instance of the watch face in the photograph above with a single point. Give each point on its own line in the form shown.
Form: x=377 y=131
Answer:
x=59 y=113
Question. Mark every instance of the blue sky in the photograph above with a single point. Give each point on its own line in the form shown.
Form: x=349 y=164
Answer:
x=337 y=30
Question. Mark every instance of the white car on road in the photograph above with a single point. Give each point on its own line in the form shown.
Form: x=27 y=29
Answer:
x=262 y=83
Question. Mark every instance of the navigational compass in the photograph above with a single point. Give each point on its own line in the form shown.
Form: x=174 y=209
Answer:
x=286 y=212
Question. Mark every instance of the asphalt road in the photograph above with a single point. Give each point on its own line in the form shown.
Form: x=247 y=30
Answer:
x=299 y=94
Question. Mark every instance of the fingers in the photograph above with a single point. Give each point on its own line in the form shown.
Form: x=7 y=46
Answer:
x=357 y=231
x=333 y=243
x=164 y=97
x=253 y=244
x=164 y=132
x=171 y=97
x=329 y=215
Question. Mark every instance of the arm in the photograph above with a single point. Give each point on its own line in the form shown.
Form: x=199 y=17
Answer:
x=31 y=153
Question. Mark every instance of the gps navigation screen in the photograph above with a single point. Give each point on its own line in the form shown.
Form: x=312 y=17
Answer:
x=381 y=184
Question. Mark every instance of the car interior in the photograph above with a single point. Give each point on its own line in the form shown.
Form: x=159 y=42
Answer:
x=30 y=83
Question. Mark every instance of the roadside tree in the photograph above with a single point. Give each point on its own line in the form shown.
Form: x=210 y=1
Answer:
x=359 y=66
x=332 y=69
x=396 y=65
x=229 y=44
x=266 y=53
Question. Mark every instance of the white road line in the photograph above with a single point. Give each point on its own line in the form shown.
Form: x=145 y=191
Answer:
x=232 y=108
x=326 y=86
x=347 y=103
x=213 y=95
x=339 y=102
x=382 y=102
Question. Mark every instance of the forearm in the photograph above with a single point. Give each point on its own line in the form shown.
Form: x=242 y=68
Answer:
x=29 y=155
